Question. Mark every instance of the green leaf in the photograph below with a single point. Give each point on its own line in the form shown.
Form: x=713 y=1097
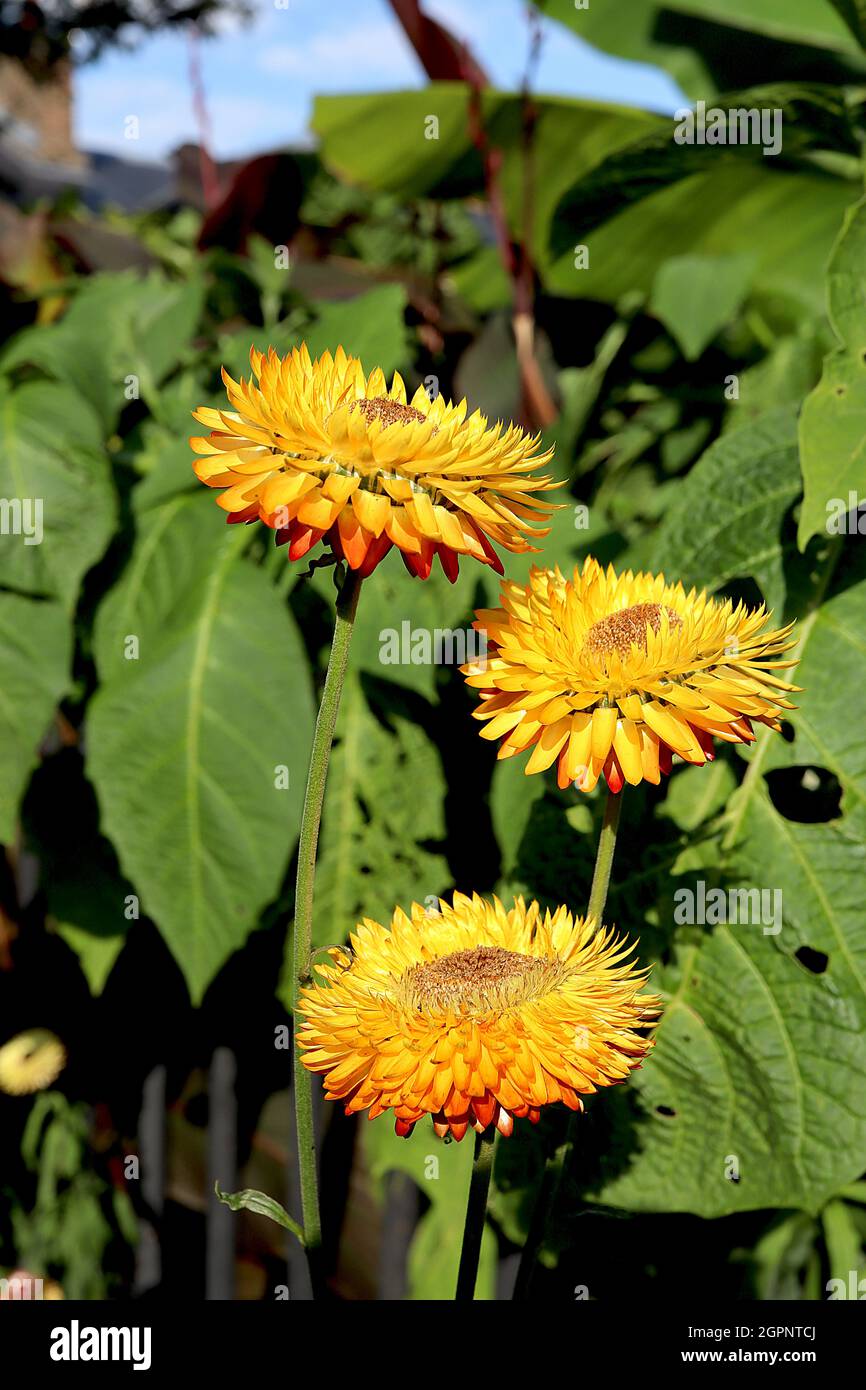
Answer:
x=830 y=665
x=726 y=519
x=854 y=14
x=757 y=1060
x=370 y=326
x=512 y=797
x=53 y=470
x=811 y=117
x=97 y=953
x=782 y=1256
x=601 y=25
x=798 y=21
x=407 y=630
x=262 y=1205
x=118 y=326
x=784 y=376
x=186 y=741
x=761 y=1052
x=173 y=546
x=35 y=657
x=696 y=296
x=833 y=420
x=697 y=794
x=787 y=220
x=844 y=1246
x=801 y=22
x=379 y=140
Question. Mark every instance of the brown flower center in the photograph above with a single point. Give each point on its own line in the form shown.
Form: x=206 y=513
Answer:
x=618 y=632
x=388 y=411
x=483 y=978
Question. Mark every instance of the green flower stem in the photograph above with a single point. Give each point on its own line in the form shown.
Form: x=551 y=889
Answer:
x=554 y=1174
x=476 y=1211
x=347 y=603
x=604 y=857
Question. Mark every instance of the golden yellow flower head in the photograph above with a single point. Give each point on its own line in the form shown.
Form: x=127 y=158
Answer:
x=30 y=1061
x=474 y=1015
x=319 y=451
x=615 y=673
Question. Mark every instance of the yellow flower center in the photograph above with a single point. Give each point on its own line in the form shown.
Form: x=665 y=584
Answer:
x=484 y=979
x=618 y=632
x=385 y=411
x=388 y=411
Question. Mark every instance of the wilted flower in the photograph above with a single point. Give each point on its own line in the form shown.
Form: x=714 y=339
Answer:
x=319 y=451
x=30 y=1061
x=474 y=1015
x=614 y=673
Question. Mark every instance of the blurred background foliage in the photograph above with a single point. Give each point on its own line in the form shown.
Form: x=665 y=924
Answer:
x=687 y=324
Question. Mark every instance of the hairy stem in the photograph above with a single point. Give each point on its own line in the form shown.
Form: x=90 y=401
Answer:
x=347 y=603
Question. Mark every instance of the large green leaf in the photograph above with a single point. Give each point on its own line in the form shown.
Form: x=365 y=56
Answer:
x=726 y=519
x=696 y=296
x=761 y=1052
x=831 y=670
x=737 y=205
x=756 y=1059
x=118 y=326
x=787 y=220
x=601 y=24
x=833 y=421
x=800 y=21
x=370 y=326
x=694 y=38
x=52 y=466
x=854 y=14
x=802 y=118
x=379 y=140
x=35 y=656
x=186 y=741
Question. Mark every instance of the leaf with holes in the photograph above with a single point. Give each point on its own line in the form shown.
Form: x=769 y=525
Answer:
x=761 y=1052
x=726 y=520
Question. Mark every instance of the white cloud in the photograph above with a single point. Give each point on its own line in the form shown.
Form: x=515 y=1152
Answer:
x=160 y=105
x=240 y=124
x=341 y=55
